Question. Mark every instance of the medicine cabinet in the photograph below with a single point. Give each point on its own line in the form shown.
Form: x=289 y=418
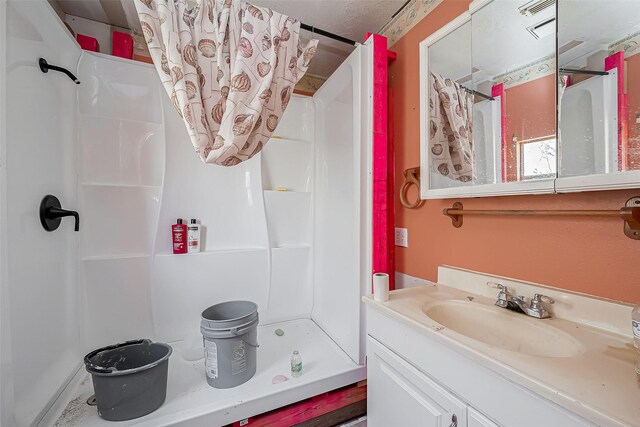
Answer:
x=504 y=111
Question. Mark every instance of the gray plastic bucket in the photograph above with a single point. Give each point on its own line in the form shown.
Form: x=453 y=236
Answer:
x=230 y=336
x=129 y=379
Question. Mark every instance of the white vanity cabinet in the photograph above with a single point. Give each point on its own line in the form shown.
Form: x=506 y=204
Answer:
x=476 y=419
x=400 y=395
x=417 y=380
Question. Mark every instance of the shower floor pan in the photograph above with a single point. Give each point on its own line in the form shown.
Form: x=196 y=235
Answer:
x=192 y=403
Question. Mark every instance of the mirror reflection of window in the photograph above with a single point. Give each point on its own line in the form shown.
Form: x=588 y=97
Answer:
x=514 y=84
x=599 y=122
x=537 y=158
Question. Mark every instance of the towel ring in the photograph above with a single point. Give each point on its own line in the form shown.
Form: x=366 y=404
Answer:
x=411 y=177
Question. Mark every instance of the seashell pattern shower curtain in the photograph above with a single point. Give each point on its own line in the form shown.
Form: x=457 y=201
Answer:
x=450 y=129
x=229 y=68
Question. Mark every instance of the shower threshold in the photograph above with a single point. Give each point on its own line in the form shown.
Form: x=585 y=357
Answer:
x=192 y=403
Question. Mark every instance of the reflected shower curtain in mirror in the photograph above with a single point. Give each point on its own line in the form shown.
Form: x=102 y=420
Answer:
x=450 y=128
x=563 y=82
x=229 y=68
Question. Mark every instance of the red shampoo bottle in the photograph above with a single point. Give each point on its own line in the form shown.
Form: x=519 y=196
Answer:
x=179 y=237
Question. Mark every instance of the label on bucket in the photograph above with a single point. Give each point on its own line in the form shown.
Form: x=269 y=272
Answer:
x=211 y=359
x=238 y=359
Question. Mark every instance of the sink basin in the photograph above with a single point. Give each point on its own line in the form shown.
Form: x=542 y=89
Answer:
x=503 y=329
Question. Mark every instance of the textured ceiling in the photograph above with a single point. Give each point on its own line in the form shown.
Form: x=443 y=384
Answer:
x=348 y=18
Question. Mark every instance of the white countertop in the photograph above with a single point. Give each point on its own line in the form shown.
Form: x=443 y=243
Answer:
x=598 y=384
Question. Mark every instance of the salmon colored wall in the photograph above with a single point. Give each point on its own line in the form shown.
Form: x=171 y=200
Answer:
x=581 y=254
x=531 y=113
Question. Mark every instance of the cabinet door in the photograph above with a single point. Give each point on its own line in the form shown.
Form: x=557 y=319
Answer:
x=400 y=395
x=476 y=419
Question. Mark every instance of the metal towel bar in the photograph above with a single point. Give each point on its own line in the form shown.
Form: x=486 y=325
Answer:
x=630 y=214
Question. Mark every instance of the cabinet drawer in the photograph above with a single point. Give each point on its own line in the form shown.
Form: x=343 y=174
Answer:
x=401 y=395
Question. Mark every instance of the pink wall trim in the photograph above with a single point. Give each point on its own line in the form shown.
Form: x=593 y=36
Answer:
x=381 y=200
x=391 y=185
x=498 y=90
x=617 y=61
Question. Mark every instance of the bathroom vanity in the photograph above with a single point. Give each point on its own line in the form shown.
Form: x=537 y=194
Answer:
x=445 y=355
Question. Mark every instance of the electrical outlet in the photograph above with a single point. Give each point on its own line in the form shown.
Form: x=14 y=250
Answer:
x=402 y=237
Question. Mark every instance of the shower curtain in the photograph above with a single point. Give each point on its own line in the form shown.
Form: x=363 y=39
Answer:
x=563 y=82
x=450 y=128
x=229 y=68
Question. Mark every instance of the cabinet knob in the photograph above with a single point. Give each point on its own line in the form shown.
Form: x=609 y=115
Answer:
x=454 y=421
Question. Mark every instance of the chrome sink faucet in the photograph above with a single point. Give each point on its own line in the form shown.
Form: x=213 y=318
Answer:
x=534 y=308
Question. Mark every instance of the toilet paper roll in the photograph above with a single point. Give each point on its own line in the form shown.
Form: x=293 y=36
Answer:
x=381 y=287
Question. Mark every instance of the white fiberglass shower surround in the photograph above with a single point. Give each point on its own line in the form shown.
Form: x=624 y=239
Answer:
x=589 y=126
x=114 y=149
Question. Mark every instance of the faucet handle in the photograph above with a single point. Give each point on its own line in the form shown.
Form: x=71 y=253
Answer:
x=496 y=285
x=503 y=295
x=540 y=297
x=536 y=301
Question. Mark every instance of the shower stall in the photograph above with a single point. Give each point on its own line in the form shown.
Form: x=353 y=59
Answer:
x=487 y=144
x=589 y=126
x=113 y=149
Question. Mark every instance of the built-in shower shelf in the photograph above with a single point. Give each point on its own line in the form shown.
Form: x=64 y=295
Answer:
x=101 y=185
x=291 y=246
x=210 y=252
x=287 y=163
x=283 y=139
x=115 y=256
x=289 y=192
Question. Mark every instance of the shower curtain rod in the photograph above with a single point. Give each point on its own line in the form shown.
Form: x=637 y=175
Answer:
x=480 y=94
x=316 y=30
x=579 y=71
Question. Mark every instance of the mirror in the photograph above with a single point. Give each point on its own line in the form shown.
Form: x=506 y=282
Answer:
x=449 y=104
x=599 y=84
x=490 y=93
x=489 y=101
x=514 y=83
